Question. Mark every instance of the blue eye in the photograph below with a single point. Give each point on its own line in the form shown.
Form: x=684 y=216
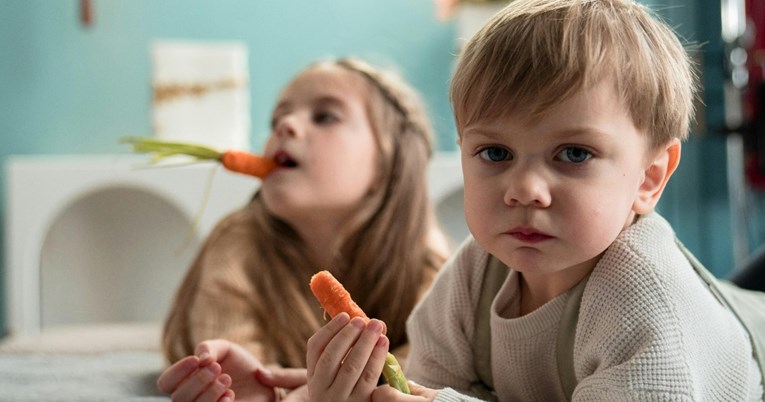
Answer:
x=495 y=154
x=574 y=155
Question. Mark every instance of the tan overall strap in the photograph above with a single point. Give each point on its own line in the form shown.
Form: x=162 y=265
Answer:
x=566 y=337
x=747 y=305
x=494 y=276
x=493 y=279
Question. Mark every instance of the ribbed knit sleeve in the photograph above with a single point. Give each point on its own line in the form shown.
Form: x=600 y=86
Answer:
x=441 y=326
x=649 y=328
x=222 y=306
x=217 y=303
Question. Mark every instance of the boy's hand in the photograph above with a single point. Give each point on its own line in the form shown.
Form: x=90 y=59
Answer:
x=419 y=394
x=219 y=369
x=345 y=359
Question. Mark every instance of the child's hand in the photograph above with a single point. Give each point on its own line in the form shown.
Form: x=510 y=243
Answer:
x=345 y=359
x=219 y=369
x=419 y=394
x=290 y=382
x=191 y=380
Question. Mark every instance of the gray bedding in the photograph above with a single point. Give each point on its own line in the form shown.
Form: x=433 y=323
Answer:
x=109 y=376
x=104 y=363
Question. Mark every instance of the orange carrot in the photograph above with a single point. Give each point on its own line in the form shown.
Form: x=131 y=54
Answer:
x=333 y=296
x=335 y=299
x=247 y=163
x=235 y=161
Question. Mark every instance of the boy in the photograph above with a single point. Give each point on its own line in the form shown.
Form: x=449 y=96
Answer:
x=570 y=116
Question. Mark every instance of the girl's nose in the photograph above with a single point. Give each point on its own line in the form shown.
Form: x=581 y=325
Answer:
x=287 y=125
x=527 y=187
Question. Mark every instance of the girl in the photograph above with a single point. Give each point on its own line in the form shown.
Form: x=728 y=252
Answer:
x=350 y=195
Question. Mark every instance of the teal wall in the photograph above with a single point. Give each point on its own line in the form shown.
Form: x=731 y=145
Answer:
x=67 y=89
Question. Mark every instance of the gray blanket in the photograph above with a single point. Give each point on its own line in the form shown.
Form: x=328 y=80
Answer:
x=109 y=376
x=83 y=363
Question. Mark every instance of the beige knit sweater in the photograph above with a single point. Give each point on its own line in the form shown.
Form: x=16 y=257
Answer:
x=220 y=295
x=648 y=330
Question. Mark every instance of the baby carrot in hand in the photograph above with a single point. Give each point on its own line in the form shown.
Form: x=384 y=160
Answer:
x=235 y=161
x=333 y=297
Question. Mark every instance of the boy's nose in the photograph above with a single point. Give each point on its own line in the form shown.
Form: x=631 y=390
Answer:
x=527 y=188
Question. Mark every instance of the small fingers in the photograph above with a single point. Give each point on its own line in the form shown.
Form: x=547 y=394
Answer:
x=214 y=350
x=197 y=383
x=277 y=377
x=370 y=376
x=351 y=362
x=216 y=390
x=169 y=380
x=321 y=338
x=227 y=396
x=362 y=366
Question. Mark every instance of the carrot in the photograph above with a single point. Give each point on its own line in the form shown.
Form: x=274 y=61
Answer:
x=233 y=160
x=335 y=299
x=333 y=296
x=247 y=163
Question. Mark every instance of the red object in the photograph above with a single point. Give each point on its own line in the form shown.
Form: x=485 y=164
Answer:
x=86 y=13
x=754 y=96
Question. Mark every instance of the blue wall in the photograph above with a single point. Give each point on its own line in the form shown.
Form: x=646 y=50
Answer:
x=67 y=89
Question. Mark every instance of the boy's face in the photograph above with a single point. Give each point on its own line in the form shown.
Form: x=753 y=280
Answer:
x=548 y=197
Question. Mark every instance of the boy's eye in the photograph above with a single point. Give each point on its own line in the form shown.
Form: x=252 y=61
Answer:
x=495 y=154
x=574 y=155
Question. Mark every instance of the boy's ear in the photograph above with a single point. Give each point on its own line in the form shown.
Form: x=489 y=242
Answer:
x=656 y=176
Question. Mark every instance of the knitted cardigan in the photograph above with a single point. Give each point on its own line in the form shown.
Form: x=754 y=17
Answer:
x=648 y=329
x=222 y=294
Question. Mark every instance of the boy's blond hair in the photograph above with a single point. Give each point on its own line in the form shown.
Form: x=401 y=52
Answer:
x=536 y=53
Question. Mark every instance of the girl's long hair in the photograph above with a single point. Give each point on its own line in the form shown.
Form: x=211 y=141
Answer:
x=383 y=255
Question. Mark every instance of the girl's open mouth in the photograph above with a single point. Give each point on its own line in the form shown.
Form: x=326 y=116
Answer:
x=283 y=159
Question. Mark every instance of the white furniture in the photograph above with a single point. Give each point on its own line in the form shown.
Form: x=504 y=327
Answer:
x=99 y=239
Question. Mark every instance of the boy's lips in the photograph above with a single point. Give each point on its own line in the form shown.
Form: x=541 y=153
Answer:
x=528 y=235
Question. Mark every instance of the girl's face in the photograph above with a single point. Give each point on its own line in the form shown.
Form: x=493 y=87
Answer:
x=548 y=197
x=322 y=138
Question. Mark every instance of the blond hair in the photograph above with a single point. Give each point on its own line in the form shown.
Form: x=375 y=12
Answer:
x=536 y=53
x=383 y=255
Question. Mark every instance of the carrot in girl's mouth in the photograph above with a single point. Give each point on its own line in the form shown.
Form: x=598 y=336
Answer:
x=233 y=160
x=335 y=299
x=247 y=163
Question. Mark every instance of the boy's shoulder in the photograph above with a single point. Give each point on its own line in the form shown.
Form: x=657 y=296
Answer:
x=645 y=281
x=643 y=262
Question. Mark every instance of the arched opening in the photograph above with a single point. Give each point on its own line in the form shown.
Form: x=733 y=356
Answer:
x=113 y=255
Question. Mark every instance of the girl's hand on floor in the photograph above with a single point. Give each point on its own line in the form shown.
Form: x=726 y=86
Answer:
x=219 y=369
x=190 y=380
x=345 y=359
